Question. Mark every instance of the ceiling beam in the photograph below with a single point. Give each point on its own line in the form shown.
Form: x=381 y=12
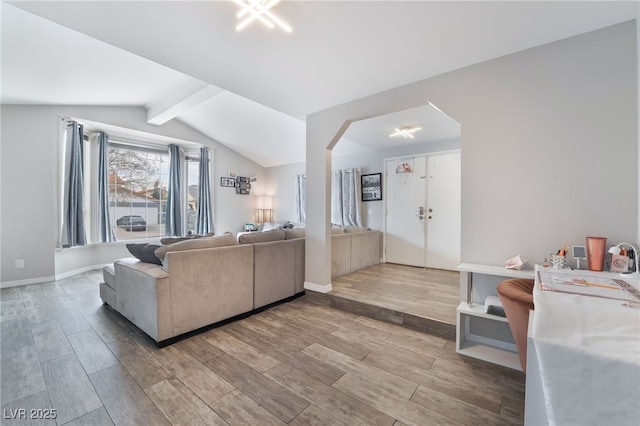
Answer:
x=179 y=100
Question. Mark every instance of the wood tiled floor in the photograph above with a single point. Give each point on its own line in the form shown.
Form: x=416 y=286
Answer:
x=300 y=363
x=419 y=298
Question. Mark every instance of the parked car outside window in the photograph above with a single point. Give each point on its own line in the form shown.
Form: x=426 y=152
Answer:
x=132 y=223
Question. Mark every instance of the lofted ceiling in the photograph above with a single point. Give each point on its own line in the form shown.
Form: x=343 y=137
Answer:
x=252 y=90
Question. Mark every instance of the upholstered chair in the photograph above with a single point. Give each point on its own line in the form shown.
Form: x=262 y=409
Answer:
x=516 y=295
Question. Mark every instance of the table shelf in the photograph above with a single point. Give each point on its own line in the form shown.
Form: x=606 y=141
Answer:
x=479 y=334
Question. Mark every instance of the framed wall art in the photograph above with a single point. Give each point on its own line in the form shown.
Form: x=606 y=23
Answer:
x=243 y=185
x=371 y=187
x=227 y=181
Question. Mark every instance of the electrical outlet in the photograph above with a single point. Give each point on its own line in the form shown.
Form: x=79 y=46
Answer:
x=19 y=263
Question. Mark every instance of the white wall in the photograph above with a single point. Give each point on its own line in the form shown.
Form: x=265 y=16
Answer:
x=549 y=147
x=29 y=177
x=281 y=178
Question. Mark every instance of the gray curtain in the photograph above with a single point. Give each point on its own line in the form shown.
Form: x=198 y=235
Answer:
x=301 y=198
x=173 y=216
x=345 y=198
x=204 y=224
x=74 y=215
x=105 y=231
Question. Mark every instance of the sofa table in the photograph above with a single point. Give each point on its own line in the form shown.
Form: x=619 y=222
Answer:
x=478 y=334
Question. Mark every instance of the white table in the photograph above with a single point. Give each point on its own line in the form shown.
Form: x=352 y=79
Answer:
x=583 y=354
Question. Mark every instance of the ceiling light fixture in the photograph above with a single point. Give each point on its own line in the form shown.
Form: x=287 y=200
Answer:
x=405 y=132
x=259 y=10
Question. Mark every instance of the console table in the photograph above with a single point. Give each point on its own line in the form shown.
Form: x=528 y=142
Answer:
x=583 y=349
x=478 y=334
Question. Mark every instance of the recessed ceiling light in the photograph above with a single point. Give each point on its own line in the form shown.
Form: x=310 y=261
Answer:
x=259 y=10
x=405 y=132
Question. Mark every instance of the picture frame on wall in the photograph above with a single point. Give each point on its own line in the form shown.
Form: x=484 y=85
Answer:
x=227 y=182
x=243 y=185
x=371 y=187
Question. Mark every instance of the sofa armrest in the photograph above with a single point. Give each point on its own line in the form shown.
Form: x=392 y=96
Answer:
x=274 y=271
x=143 y=296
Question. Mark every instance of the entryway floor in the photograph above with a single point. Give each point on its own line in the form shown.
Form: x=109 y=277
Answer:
x=418 y=298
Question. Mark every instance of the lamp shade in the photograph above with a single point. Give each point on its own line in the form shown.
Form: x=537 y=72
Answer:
x=265 y=202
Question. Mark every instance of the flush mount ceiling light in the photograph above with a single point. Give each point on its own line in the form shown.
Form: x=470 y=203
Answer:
x=405 y=132
x=259 y=10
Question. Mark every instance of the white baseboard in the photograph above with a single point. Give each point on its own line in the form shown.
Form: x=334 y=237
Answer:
x=57 y=277
x=68 y=274
x=318 y=288
x=18 y=283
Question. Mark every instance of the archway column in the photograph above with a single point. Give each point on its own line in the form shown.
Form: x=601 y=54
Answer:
x=322 y=134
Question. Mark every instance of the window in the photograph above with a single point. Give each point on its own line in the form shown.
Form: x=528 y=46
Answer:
x=137 y=181
x=137 y=191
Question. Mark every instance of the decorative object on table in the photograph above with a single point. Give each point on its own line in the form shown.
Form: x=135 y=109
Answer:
x=619 y=262
x=243 y=185
x=228 y=182
x=557 y=261
x=371 y=187
x=632 y=254
x=231 y=174
x=578 y=252
x=595 y=253
x=516 y=263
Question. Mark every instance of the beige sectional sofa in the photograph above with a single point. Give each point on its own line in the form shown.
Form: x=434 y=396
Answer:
x=195 y=288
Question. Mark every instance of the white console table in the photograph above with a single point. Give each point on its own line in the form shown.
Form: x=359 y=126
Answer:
x=478 y=334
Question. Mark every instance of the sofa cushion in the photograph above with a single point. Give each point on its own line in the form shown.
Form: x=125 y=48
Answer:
x=150 y=269
x=262 y=237
x=144 y=252
x=270 y=226
x=290 y=234
x=197 y=243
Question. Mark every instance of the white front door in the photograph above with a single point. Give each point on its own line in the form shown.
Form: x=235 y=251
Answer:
x=443 y=211
x=422 y=222
x=405 y=225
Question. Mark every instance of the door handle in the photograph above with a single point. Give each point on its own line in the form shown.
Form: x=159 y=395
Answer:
x=421 y=211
